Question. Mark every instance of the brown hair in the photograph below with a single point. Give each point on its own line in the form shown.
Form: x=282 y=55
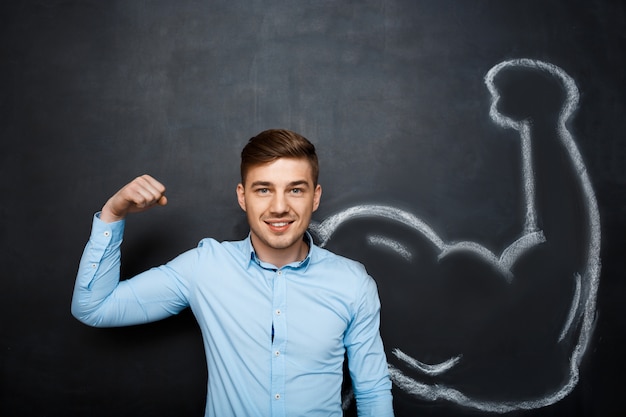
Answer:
x=273 y=144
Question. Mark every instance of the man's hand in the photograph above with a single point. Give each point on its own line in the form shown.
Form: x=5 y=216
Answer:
x=139 y=195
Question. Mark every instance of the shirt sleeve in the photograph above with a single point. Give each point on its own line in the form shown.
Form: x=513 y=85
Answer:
x=101 y=300
x=366 y=356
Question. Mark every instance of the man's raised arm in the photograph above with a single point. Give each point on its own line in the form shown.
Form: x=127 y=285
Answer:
x=100 y=299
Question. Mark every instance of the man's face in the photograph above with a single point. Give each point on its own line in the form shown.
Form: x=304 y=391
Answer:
x=279 y=198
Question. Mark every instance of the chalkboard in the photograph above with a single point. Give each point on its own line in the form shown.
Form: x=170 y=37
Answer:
x=472 y=158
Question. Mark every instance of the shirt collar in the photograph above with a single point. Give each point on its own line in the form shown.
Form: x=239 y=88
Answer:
x=294 y=265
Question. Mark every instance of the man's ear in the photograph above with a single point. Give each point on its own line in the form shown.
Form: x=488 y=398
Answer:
x=317 y=196
x=241 y=196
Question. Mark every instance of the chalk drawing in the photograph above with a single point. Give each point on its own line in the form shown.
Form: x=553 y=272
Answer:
x=394 y=245
x=428 y=369
x=583 y=306
x=573 y=309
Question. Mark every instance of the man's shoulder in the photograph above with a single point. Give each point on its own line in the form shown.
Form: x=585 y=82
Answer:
x=328 y=258
x=234 y=247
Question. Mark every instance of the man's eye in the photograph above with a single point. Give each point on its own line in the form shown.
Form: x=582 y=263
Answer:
x=296 y=191
x=263 y=190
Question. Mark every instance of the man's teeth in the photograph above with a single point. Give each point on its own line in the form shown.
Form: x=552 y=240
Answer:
x=281 y=224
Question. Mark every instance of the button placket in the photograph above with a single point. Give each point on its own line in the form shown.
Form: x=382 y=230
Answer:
x=279 y=342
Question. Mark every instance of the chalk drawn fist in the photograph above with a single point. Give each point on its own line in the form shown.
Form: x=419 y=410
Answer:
x=495 y=329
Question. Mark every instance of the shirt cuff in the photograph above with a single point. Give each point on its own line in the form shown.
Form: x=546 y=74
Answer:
x=107 y=233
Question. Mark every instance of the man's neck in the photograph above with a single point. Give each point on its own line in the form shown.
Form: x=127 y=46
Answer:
x=282 y=257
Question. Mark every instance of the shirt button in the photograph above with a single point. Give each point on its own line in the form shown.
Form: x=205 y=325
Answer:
x=277 y=353
x=277 y=396
x=278 y=312
x=94 y=266
x=107 y=233
x=279 y=272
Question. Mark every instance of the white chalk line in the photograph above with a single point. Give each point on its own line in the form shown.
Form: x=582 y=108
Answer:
x=591 y=274
x=584 y=301
x=428 y=369
x=394 y=245
x=571 y=317
x=502 y=264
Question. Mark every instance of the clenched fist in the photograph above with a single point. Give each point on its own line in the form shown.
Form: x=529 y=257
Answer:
x=140 y=194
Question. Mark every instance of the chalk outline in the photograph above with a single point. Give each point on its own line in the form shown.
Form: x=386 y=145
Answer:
x=584 y=301
x=392 y=244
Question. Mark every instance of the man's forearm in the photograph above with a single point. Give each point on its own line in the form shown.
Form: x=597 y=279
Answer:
x=98 y=272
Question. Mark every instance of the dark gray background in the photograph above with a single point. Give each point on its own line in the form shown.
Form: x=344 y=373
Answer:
x=95 y=93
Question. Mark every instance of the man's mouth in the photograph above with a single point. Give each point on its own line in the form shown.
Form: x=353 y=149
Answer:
x=279 y=226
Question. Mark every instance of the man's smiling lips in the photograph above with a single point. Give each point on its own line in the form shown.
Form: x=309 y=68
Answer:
x=279 y=226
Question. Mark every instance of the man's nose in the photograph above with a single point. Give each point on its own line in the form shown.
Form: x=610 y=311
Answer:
x=279 y=204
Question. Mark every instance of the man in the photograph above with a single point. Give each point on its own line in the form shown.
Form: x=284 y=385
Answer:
x=277 y=313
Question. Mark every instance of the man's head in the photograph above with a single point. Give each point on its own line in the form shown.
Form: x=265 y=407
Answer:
x=279 y=192
x=270 y=145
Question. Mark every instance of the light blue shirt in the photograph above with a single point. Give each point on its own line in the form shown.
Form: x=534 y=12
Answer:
x=274 y=338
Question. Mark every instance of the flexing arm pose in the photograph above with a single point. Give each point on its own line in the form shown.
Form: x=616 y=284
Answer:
x=278 y=314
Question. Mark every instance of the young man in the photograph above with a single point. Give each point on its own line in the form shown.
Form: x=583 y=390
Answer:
x=277 y=313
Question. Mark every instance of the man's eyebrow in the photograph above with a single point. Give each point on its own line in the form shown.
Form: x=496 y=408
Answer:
x=298 y=183
x=269 y=184
x=261 y=184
